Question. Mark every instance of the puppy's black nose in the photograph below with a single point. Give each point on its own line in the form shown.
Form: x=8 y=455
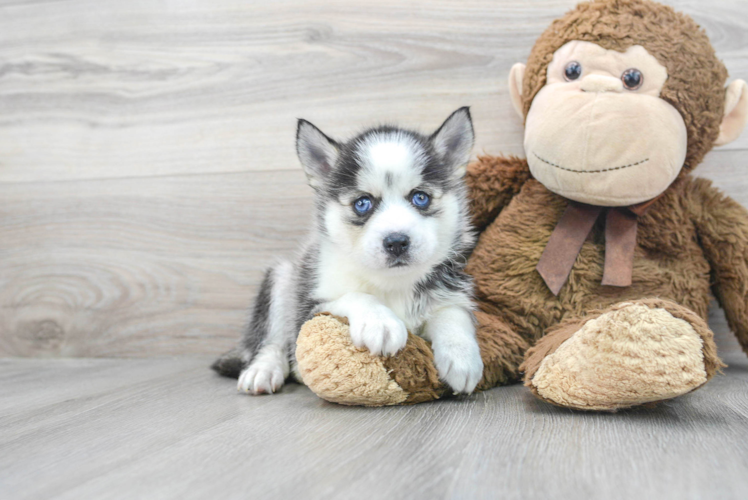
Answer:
x=396 y=244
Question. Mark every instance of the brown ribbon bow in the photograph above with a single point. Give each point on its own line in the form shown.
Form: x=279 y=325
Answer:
x=572 y=230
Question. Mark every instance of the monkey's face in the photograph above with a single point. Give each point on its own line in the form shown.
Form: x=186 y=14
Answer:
x=598 y=131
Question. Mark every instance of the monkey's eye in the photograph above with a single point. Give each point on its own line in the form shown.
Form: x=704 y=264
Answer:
x=632 y=78
x=572 y=71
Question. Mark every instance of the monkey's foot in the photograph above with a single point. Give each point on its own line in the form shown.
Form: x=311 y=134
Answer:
x=630 y=354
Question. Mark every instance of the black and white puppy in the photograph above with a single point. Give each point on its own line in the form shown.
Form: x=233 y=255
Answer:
x=390 y=240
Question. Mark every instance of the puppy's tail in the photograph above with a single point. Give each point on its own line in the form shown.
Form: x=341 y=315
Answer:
x=232 y=363
x=229 y=364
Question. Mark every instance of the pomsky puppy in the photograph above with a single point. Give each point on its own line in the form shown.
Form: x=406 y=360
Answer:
x=389 y=243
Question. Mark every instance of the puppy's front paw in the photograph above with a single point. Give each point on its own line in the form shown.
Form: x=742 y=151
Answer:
x=379 y=330
x=459 y=365
x=261 y=378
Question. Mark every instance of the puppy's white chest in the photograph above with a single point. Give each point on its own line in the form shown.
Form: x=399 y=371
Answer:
x=401 y=305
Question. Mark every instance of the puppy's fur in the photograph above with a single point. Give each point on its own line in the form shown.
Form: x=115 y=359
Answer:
x=388 y=248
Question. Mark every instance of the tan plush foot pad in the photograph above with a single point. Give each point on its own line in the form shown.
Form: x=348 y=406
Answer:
x=630 y=355
x=339 y=372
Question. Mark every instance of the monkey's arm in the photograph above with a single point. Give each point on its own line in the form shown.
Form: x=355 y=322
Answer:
x=722 y=226
x=492 y=181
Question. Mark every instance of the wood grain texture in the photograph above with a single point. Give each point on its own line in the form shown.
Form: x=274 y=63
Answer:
x=147 y=167
x=159 y=428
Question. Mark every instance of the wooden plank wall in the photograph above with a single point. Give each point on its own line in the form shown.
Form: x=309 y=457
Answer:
x=147 y=167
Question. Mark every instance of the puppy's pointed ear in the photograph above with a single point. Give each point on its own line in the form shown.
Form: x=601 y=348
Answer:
x=317 y=152
x=453 y=141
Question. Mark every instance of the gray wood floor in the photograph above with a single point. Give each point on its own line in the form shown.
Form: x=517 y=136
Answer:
x=168 y=428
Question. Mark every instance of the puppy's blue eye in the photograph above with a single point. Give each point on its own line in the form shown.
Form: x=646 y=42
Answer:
x=420 y=199
x=362 y=205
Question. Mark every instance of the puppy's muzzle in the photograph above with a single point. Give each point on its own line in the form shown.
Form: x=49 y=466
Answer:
x=396 y=244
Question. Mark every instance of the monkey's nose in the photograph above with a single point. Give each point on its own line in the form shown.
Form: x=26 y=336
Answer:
x=601 y=83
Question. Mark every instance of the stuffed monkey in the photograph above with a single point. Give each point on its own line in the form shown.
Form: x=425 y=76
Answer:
x=597 y=253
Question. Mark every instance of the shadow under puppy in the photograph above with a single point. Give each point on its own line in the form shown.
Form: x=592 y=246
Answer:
x=389 y=243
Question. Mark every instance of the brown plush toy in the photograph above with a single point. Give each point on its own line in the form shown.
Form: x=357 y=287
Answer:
x=596 y=253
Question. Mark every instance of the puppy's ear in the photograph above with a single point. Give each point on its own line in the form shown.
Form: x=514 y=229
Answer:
x=317 y=152
x=453 y=141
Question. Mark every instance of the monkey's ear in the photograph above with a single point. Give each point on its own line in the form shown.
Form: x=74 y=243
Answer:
x=516 y=76
x=317 y=152
x=736 y=113
x=453 y=140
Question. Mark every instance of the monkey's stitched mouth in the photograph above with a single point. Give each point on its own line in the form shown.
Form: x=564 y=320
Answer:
x=590 y=171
